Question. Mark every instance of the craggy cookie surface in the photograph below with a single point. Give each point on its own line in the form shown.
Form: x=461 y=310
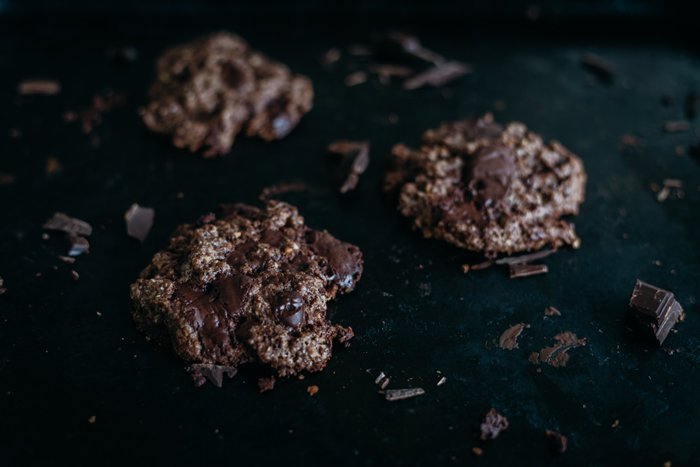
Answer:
x=488 y=188
x=247 y=284
x=209 y=90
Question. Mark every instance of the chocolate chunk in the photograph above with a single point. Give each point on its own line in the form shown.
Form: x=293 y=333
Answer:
x=603 y=68
x=354 y=161
x=47 y=87
x=524 y=259
x=676 y=127
x=266 y=384
x=524 y=270
x=289 y=308
x=214 y=373
x=398 y=394
x=508 y=338
x=492 y=425
x=490 y=173
x=78 y=244
x=344 y=260
x=400 y=46
x=439 y=75
x=655 y=310
x=139 y=221
x=692 y=104
x=557 y=441
x=551 y=311
x=60 y=221
x=442 y=381
x=483 y=265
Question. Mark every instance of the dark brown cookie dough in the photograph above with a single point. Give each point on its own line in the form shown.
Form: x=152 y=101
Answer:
x=247 y=284
x=209 y=90
x=488 y=188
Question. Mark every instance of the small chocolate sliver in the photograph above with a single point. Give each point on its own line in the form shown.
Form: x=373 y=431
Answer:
x=524 y=259
x=379 y=378
x=330 y=57
x=551 y=311
x=60 y=221
x=557 y=355
x=139 y=221
x=48 y=87
x=524 y=270
x=354 y=161
x=281 y=188
x=78 y=244
x=483 y=265
x=266 y=384
x=442 y=381
x=399 y=394
x=508 y=338
x=602 y=67
x=214 y=373
x=492 y=425
x=438 y=76
x=655 y=310
x=557 y=441
x=676 y=127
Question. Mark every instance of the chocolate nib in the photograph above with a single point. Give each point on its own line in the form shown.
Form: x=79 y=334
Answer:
x=557 y=441
x=508 y=338
x=398 y=394
x=354 y=161
x=654 y=310
x=439 y=75
x=214 y=373
x=139 y=221
x=60 y=221
x=492 y=425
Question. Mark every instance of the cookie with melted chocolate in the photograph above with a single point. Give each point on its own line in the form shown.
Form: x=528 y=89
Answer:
x=247 y=284
x=211 y=89
x=488 y=188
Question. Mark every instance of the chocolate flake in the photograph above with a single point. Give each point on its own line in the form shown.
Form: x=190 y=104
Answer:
x=52 y=165
x=438 y=76
x=557 y=355
x=492 y=425
x=508 y=338
x=557 y=441
x=48 y=87
x=551 y=311
x=78 y=244
x=379 y=378
x=312 y=390
x=524 y=270
x=139 y=221
x=354 y=161
x=214 y=373
x=603 y=68
x=399 y=394
x=655 y=310
x=266 y=384
x=356 y=78
x=524 y=259
x=484 y=265
x=676 y=127
x=278 y=189
x=60 y=221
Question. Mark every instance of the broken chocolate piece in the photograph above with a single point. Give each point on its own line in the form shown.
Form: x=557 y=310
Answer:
x=214 y=373
x=492 y=425
x=60 y=221
x=483 y=265
x=524 y=259
x=676 y=127
x=508 y=338
x=139 y=221
x=78 y=244
x=281 y=188
x=524 y=270
x=655 y=310
x=692 y=104
x=557 y=355
x=603 y=68
x=266 y=384
x=442 y=381
x=52 y=165
x=355 y=159
x=48 y=87
x=398 y=394
x=439 y=75
x=557 y=441
x=551 y=311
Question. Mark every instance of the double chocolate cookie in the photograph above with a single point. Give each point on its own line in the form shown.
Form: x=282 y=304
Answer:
x=247 y=284
x=488 y=188
x=209 y=90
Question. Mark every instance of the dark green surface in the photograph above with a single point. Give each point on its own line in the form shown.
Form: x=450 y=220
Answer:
x=61 y=363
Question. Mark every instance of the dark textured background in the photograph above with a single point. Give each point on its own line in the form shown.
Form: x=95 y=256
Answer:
x=61 y=363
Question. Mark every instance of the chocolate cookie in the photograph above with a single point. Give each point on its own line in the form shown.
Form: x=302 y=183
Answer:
x=247 y=284
x=209 y=90
x=488 y=188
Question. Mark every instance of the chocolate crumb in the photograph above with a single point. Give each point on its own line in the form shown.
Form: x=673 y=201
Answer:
x=354 y=161
x=442 y=381
x=524 y=259
x=534 y=358
x=671 y=351
x=438 y=76
x=385 y=383
x=356 y=78
x=676 y=127
x=45 y=236
x=52 y=165
x=139 y=221
x=74 y=275
x=603 y=68
x=60 y=221
x=77 y=244
x=557 y=441
x=399 y=394
x=266 y=384
x=280 y=188
x=214 y=373
x=484 y=265
x=92 y=116
x=48 y=87
x=508 y=338
x=615 y=424
x=312 y=390
x=492 y=425
x=92 y=419
x=524 y=270
x=477 y=451
x=551 y=311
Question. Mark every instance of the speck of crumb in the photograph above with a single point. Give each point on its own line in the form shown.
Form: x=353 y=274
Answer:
x=616 y=424
x=312 y=390
x=99 y=314
x=477 y=451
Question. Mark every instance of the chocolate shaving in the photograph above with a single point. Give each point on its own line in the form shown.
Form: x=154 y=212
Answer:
x=483 y=265
x=492 y=425
x=354 y=161
x=139 y=221
x=439 y=75
x=48 y=87
x=676 y=127
x=379 y=378
x=266 y=384
x=524 y=270
x=214 y=373
x=399 y=394
x=61 y=221
x=67 y=259
x=605 y=69
x=557 y=441
x=551 y=311
x=442 y=381
x=78 y=244
x=2 y=282
x=508 y=338
x=524 y=259
x=385 y=383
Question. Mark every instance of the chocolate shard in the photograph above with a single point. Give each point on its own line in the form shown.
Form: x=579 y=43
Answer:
x=557 y=441
x=77 y=244
x=438 y=75
x=551 y=311
x=139 y=221
x=214 y=373
x=524 y=259
x=399 y=394
x=655 y=310
x=354 y=161
x=524 y=270
x=508 y=338
x=483 y=265
x=60 y=221
x=492 y=425
x=266 y=384
x=48 y=87
x=557 y=355
x=603 y=68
